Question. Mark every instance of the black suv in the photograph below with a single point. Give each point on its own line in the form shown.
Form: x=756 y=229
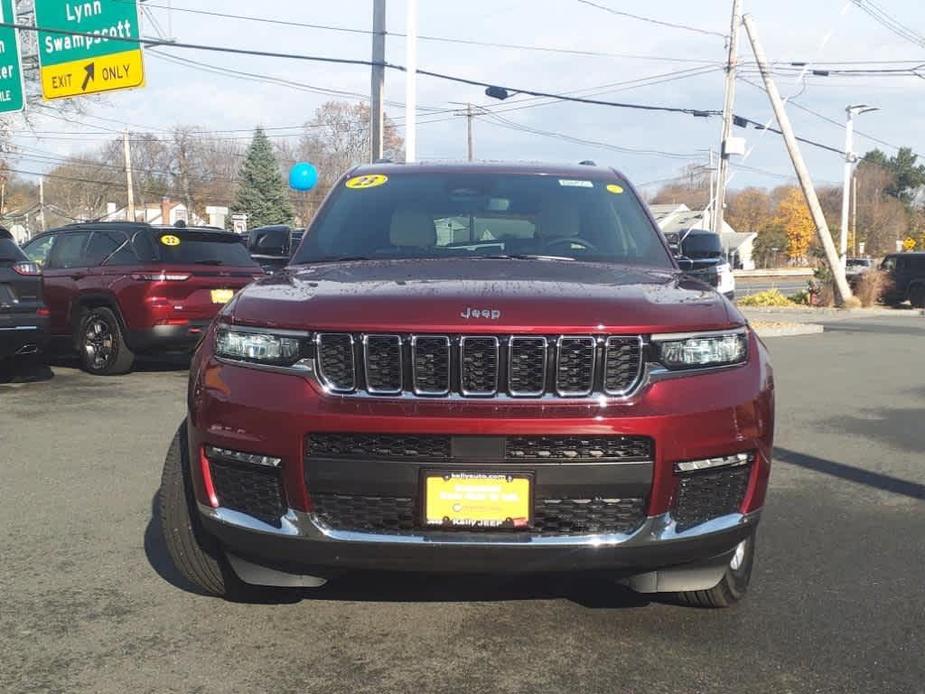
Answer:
x=907 y=272
x=23 y=316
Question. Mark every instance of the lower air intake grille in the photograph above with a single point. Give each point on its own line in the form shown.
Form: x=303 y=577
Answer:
x=397 y=516
x=253 y=490
x=436 y=447
x=578 y=448
x=365 y=513
x=379 y=446
x=708 y=494
x=588 y=516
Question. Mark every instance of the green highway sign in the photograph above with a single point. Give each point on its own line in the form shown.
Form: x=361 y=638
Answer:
x=12 y=91
x=73 y=64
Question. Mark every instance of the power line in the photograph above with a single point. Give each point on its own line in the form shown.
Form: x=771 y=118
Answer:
x=368 y=63
x=425 y=37
x=651 y=20
x=891 y=23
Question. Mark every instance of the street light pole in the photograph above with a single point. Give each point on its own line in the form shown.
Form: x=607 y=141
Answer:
x=411 y=68
x=850 y=161
x=376 y=112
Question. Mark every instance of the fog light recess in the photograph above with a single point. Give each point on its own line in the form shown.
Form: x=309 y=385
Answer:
x=726 y=461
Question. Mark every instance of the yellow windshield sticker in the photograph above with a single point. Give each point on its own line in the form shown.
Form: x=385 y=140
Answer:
x=170 y=240
x=614 y=188
x=368 y=181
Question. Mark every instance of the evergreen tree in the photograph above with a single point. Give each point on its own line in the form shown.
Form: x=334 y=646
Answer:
x=262 y=193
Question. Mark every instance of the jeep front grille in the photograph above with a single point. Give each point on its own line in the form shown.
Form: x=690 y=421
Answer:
x=479 y=366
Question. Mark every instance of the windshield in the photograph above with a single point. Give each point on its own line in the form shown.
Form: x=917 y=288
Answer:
x=441 y=215
x=202 y=248
x=10 y=252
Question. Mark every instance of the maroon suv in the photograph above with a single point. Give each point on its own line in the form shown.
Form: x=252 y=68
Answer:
x=475 y=368
x=117 y=289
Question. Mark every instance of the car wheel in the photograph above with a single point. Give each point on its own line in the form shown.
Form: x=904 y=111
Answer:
x=196 y=555
x=734 y=584
x=102 y=346
x=917 y=296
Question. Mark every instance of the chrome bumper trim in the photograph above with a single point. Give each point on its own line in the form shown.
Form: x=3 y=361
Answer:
x=655 y=529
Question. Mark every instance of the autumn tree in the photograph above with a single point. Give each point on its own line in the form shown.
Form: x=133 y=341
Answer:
x=795 y=219
x=749 y=210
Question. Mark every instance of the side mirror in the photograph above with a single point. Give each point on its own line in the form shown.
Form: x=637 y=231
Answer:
x=685 y=264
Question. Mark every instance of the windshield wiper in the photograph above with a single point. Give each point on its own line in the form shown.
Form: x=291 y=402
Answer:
x=335 y=259
x=519 y=256
x=208 y=262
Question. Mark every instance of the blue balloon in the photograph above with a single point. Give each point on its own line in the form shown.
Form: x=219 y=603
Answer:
x=303 y=176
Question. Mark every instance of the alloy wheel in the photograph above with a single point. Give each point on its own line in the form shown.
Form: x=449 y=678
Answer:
x=98 y=343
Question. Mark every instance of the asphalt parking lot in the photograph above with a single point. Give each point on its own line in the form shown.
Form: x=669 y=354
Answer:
x=90 y=602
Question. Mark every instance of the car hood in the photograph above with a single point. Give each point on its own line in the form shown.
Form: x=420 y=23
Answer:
x=484 y=295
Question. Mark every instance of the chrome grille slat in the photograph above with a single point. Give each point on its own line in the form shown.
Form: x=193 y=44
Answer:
x=575 y=357
x=336 y=361
x=480 y=366
x=526 y=374
x=622 y=364
x=430 y=364
x=382 y=358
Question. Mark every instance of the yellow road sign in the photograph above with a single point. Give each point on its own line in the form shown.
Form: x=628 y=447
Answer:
x=103 y=73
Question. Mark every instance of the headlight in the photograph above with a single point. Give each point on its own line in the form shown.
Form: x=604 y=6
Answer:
x=699 y=351
x=260 y=347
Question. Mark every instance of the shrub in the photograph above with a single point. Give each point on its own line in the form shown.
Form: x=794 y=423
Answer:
x=871 y=286
x=771 y=298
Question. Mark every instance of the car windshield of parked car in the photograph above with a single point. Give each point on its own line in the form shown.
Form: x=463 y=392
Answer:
x=444 y=215
x=202 y=248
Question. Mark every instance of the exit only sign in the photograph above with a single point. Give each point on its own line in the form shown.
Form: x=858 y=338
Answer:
x=98 y=56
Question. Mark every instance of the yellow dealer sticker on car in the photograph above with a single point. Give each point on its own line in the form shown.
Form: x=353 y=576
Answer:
x=170 y=240
x=368 y=181
x=614 y=188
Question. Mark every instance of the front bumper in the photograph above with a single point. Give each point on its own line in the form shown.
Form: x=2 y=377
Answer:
x=304 y=546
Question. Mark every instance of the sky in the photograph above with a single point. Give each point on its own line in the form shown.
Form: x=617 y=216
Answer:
x=649 y=147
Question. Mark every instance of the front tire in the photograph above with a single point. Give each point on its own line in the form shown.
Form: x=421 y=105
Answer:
x=102 y=346
x=734 y=584
x=917 y=296
x=195 y=555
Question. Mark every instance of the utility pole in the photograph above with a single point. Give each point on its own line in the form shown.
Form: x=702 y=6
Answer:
x=850 y=162
x=42 y=202
x=411 y=69
x=854 y=214
x=130 y=207
x=728 y=104
x=842 y=290
x=713 y=197
x=376 y=111
x=469 y=116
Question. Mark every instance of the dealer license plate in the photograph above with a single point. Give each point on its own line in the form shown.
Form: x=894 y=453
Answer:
x=222 y=296
x=477 y=500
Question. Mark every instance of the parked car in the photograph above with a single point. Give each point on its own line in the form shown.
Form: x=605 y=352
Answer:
x=907 y=278
x=475 y=368
x=23 y=314
x=707 y=263
x=272 y=246
x=117 y=289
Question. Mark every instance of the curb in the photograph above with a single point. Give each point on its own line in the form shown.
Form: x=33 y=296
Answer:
x=788 y=330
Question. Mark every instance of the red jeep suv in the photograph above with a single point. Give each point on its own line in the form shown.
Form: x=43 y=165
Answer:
x=118 y=288
x=475 y=368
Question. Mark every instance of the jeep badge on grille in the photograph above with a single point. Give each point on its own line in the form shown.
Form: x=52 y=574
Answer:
x=475 y=313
